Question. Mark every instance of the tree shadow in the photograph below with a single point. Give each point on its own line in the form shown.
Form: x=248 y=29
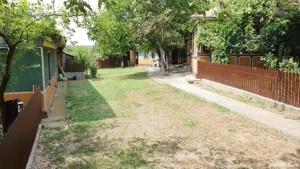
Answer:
x=121 y=153
x=292 y=159
x=136 y=76
x=85 y=103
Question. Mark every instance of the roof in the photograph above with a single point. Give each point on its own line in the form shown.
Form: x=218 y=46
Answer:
x=69 y=54
x=209 y=15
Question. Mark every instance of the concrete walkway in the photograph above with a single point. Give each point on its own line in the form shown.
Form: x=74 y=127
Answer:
x=57 y=115
x=272 y=120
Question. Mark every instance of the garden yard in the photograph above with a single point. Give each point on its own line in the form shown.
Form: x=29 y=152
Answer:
x=124 y=119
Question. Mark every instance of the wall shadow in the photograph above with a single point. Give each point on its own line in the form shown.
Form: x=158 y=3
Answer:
x=292 y=159
x=136 y=76
x=85 y=103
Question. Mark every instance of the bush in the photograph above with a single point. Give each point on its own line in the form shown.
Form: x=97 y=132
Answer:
x=93 y=70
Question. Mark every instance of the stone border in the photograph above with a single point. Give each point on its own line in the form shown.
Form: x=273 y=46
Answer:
x=34 y=147
x=279 y=105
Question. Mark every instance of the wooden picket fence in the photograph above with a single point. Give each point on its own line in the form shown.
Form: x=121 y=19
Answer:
x=15 y=148
x=276 y=85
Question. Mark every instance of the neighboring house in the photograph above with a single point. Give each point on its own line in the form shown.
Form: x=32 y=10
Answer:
x=72 y=69
x=203 y=53
x=177 y=57
x=146 y=58
x=110 y=62
x=174 y=57
x=34 y=69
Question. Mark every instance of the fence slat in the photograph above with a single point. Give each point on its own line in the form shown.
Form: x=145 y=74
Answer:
x=279 y=86
x=17 y=143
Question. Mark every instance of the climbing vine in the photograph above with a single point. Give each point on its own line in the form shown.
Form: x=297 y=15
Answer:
x=251 y=26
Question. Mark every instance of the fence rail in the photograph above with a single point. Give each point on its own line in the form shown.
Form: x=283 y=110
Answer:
x=276 y=85
x=16 y=145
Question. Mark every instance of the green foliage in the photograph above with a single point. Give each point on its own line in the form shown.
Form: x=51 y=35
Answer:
x=289 y=65
x=110 y=34
x=253 y=26
x=93 y=70
x=282 y=61
x=85 y=56
x=159 y=24
x=221 y=109
x=150 y=25
x=77 y=6
x=190 y=123
x=22 y=24
x=270 y=61
x=217 y=35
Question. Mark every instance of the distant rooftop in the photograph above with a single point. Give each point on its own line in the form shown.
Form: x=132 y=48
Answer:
x=209 y=15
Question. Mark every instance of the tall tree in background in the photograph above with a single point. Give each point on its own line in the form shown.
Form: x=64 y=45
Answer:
x=255 y=26
x=85 y=56
x=109 y=29
x=158 y=24
x=152 y=25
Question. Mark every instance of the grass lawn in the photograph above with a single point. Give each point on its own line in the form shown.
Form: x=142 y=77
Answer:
x=126 y=120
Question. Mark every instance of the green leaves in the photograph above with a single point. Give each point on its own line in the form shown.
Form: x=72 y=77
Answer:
x=257 y=26
x=77 y=6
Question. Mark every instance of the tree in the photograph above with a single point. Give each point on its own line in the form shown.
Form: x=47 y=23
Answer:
x=218 y=36
x=21 y=24
x=255 y=26
x=161 y=25
x=152 y=25
x=110 y=33
x=85 y=56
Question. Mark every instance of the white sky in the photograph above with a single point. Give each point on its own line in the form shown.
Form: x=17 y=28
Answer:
x=81 y=34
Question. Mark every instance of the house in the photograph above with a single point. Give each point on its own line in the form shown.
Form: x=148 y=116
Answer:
x=36 y=68
x=110 y=62
x=178 y=56
x=116 y=60
x=71 y=68
x=146 y=58
x=203 y=53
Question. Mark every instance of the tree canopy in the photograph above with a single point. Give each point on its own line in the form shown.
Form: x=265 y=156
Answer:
x=255 y=26
x=21 y=23
x=152 y=25
x=117 y=26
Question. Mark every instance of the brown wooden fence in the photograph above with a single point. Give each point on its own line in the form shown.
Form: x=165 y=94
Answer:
x=276 y=85
x=17 y=143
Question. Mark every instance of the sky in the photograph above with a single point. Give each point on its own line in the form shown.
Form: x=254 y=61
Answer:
x=81 y=34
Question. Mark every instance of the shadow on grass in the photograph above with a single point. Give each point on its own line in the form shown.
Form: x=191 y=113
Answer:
x=85 y=104
x=120 y=153
x=86 y=111
x=292 y=160
x=136 y=76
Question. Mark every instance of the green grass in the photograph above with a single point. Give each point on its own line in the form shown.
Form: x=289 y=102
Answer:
x=250 y=101
x=190 y=123
x=221 y=109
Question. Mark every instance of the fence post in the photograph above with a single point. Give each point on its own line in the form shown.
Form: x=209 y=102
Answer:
x=11 y=112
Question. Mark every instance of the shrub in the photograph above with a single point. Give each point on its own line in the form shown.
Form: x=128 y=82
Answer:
x=93 y=70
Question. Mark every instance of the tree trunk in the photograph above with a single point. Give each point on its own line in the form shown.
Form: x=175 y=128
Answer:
x=4 y=83
x=161 y=59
